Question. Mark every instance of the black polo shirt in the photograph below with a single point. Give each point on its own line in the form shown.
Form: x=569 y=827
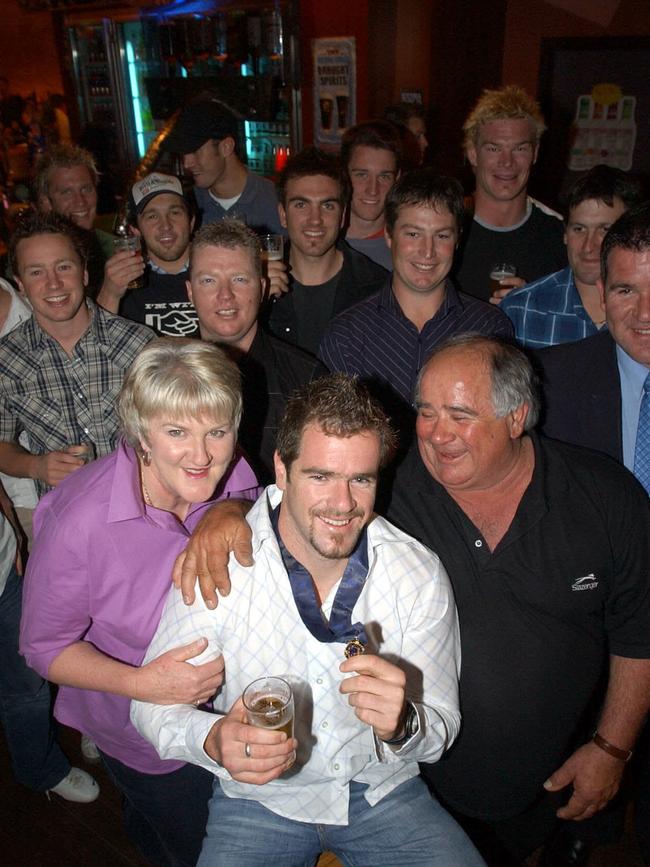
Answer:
x=567 y=585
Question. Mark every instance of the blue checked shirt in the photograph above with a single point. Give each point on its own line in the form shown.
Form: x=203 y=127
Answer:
x=548 y=311
x=408 y=610
x=57 y=399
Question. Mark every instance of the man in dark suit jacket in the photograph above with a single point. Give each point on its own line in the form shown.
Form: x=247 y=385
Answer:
x=596 y=392
x=582 y=391
x=594 y=388
x=226 y=287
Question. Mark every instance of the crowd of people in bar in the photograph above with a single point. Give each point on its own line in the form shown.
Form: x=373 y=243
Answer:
x=353 y=430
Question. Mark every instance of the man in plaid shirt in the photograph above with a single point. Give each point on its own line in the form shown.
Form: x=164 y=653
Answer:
x=61 y=370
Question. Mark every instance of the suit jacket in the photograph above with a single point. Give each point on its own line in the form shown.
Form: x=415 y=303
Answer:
x=582 y=393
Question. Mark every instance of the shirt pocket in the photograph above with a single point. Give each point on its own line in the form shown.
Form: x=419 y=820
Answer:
x=42 y=418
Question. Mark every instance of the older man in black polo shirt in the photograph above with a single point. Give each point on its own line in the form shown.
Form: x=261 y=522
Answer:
x=386 y=338
x=547 y=548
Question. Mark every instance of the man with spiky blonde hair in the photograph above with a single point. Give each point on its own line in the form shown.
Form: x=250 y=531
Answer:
x=502 y=134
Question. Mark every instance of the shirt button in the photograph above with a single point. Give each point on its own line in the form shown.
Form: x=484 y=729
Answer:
x=319 y=680
x=324 y=724
x=86 y=431
x=478 y=543
x=336 y=767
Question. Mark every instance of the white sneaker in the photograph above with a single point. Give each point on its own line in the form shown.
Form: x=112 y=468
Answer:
x=89 y=750
x=77 y=786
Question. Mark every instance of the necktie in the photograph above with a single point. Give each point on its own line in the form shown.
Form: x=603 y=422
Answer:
x=642 y=448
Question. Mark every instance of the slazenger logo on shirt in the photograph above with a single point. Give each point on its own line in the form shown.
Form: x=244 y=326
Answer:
x=588 y=582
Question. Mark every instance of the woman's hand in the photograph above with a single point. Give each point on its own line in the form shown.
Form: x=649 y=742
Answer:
x=171 y=679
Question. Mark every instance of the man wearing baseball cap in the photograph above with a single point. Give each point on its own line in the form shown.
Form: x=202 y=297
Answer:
x=164 y=218
x=205 y=135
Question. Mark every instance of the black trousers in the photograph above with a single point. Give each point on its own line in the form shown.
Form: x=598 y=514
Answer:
x=508 y=842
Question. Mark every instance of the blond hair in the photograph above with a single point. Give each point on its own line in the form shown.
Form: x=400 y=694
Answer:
x=62 y=156
x=506 y=103
x=228 y=234
x=181 y=378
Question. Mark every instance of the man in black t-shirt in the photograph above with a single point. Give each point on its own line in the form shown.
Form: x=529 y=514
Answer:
x=504 y=225
x=326 y=276
x=164 y=218
x=547 y=548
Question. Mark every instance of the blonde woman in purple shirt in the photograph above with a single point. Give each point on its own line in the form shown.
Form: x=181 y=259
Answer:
x=99 y=572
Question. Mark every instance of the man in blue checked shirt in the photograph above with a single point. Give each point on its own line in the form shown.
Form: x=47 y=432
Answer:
x=328 y=574
x=565 y=306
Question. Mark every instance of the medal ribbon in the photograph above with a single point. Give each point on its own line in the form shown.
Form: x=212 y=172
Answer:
x=340 y=626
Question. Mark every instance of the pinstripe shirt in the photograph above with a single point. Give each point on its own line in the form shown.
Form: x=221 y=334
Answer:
x=375 y=340
x=57 y=399
x=408 y=611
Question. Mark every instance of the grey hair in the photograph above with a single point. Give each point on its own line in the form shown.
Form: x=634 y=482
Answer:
x=514 y=381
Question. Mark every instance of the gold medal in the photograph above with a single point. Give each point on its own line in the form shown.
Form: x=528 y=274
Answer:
x=354 y=648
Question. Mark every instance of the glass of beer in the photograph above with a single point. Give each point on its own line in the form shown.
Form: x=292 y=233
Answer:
x=499 y=272
x=272 y=247
x=129 y=242
x=85 y=451
x=326 y=111
x=269 y=704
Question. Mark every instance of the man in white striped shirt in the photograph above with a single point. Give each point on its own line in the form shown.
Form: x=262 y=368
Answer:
x=328 y=574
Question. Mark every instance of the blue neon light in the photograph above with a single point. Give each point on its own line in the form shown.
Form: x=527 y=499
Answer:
x=247 y=136
x=135 y=91
x=182 y=7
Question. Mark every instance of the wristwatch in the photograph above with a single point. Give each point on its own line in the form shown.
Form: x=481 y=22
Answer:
x=411 y=725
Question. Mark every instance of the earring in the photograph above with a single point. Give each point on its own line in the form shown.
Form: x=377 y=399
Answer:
x=146 y=458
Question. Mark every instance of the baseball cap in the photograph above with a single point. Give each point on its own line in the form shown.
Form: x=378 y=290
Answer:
x=152 y=185
x=198 y=122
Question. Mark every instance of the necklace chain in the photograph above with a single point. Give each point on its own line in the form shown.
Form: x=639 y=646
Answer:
x=147 y=495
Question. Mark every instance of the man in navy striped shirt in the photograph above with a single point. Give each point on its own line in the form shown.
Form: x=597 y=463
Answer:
x=386 y=338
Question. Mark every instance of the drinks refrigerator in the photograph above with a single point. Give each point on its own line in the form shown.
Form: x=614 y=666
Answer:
x=130 y=70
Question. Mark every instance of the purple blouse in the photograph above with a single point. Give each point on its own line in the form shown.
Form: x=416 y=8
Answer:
x=100 y=570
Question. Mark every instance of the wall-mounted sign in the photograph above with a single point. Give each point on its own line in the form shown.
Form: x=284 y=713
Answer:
x=335 y=88
x=604 y=129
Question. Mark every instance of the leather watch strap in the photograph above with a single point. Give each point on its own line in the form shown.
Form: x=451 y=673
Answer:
x=610 y=749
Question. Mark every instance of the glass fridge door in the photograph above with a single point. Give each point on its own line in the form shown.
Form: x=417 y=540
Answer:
x=136 y=69
x=90 y=62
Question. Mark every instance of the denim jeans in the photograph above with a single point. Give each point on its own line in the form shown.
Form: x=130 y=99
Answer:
x=407 y=827
x=164 y=814
x=25 y=703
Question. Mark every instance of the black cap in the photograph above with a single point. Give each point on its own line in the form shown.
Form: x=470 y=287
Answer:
x=198 y=122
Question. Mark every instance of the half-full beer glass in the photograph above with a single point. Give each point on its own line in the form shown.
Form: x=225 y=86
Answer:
x=269 y=704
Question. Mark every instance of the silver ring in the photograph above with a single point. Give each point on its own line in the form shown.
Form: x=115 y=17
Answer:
x=197 y=702
x=247 y=750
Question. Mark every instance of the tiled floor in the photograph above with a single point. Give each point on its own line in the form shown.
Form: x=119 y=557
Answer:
x=35 y=832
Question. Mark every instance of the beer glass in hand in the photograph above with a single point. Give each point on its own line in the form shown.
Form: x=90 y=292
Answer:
x=269 y=704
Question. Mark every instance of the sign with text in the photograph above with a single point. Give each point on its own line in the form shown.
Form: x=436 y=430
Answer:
x=335 y=89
